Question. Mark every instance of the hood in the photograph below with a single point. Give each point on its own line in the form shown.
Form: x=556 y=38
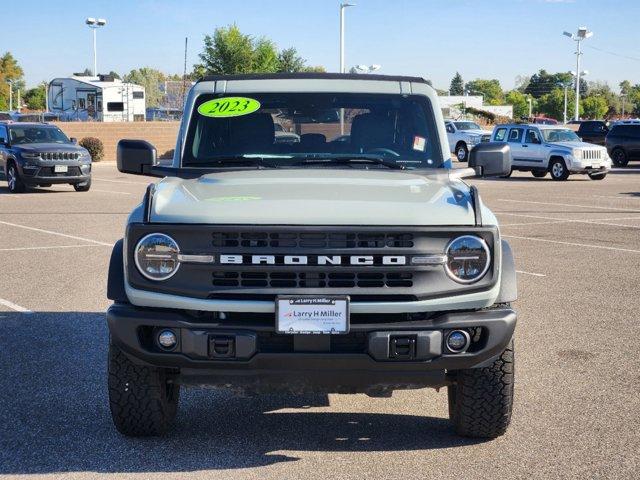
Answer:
x=313 y=197
x=50 y=147
x=476 y=132
x=572 y=145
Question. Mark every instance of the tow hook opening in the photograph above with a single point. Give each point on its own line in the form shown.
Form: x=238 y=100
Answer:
x=402 y=347
x=222 y=346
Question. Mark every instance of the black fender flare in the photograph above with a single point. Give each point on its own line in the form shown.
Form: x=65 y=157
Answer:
x=115 y=282
x=508 y=279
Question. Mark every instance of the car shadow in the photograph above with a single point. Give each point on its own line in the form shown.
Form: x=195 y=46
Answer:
x=55 y=416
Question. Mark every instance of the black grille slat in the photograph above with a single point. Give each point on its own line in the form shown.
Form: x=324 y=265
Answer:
x=255 y=279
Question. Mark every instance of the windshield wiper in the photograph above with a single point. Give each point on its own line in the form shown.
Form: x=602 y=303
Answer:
x=355 y=158
x=232 y=160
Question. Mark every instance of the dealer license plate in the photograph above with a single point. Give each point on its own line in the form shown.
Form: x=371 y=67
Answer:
x=312 y=315
x=60 y=169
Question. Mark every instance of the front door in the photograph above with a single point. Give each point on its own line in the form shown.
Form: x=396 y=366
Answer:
x=4 y=138
x=533 y=153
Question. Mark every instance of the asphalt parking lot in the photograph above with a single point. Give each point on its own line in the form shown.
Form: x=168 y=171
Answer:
x=577 y=358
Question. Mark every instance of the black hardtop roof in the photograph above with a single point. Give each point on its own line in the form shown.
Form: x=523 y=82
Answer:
x=312 y=75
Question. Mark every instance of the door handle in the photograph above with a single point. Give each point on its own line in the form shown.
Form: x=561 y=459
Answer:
x=525 y=146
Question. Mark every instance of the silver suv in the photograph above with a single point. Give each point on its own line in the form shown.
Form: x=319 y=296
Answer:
x=355 y=265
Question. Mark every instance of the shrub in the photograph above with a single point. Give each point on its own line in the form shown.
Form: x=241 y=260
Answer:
x=95 y=147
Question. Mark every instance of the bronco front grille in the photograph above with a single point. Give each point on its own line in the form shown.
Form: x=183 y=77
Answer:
x=254 y=279
x=311 y=240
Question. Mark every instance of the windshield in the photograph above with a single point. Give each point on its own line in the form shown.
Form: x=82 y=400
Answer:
x=467 y=126
x=37 y=134
x=559 y=135
x=298 y=129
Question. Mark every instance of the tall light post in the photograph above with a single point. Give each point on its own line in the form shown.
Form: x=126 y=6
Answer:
x=342 y=7
x=577 y=77
x=578 y=37
x=94 y=24
x=10 y=82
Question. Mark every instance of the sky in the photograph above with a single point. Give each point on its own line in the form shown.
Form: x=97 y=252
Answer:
x=430 y=38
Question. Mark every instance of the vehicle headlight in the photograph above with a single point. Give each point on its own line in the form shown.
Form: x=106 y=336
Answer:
x=577 y=154
x=156 y=256
x=30 y=155
x=468 y=259
x=474 y=140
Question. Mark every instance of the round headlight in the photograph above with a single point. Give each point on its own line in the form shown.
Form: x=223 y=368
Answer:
x=468 y=259
x=156 y=256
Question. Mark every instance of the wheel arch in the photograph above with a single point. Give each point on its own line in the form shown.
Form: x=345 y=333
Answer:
x=508 y=278
x=115 y=282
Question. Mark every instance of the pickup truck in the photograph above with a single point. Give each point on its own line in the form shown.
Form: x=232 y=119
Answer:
x=464 y=135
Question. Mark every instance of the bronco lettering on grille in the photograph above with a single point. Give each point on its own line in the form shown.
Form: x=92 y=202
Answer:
x=313 y=260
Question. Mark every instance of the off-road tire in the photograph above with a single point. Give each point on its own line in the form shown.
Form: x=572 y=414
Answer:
x=481 y=400
x=82 y=187
x=597 y=176
x=558 y=169
x=539 y=173
x=142 y=402
x=462 y=152
x=619 y=157
x=14 y=182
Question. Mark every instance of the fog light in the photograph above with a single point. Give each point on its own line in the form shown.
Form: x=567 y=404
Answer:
x=458 y=341
x=167 y=339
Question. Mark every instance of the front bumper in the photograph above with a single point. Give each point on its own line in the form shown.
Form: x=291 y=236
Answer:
x=254 y=358
x=588 y=166
x=40 y=173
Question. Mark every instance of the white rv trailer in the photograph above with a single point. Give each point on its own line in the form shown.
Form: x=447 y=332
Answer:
x=102 y=98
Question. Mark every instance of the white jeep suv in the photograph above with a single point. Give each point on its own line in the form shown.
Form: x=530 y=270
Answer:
x=542 y=149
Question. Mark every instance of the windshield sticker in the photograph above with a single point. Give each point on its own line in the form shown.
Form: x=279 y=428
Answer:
x=228 y=107
x=419 y=143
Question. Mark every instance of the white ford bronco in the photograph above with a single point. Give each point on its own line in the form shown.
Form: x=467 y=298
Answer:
x=463 y=135
x=542 y=149
x=362 y=265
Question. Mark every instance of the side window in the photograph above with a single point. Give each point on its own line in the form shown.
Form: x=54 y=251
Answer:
x=515 y=135
x=3 y=134
x=532 y=136
x=500 y=134
x=450 y=128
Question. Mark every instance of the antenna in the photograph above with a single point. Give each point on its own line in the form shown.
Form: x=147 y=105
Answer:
x=184 y=72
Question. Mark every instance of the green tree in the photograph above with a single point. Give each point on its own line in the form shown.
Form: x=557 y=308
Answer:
x=35 y=98
x=9 y=70
x=290 y=61
x=490 y=90
x=518 y=101
x=625 y=87
x=150 y=79
x=543 y=83
x=552 y=104
x=229 y=51
x=457 y=85
x=595 y=107
x=314 y=68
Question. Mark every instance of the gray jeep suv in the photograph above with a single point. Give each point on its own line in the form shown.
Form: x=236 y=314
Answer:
x=39 y=154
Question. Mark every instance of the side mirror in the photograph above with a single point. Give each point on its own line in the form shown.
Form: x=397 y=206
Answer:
x=491 y=159
x=74 y=140
x=3 y=141
x=136 y=156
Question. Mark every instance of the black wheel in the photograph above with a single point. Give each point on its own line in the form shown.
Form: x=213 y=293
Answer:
x=462 y=152
x=44 y=185
x=597 y=176
x=14 y=182
x=142 y=402
x=508 y=174
x=539 y=173
x=481 y=401
x=619 y=157
x=558 y=169
x=83 y=187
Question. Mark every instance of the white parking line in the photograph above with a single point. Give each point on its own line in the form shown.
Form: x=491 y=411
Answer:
x=616 y=197
x=56 y=233
x=531 y=273
x=52 y=247
x=111 y=191
x=606 y=221
x=13 y=306
x=586 y=245
x=119 y=181
x=555 y=204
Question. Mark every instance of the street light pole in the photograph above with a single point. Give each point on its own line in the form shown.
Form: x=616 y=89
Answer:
x=10 y=82
x=342 y=7
x=94 y=24
x=578 y=37
x=566 y=87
